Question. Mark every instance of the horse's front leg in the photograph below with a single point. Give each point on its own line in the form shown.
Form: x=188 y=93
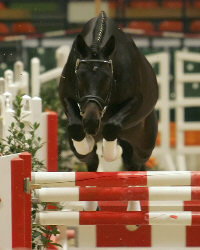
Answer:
x=114 y=125
x=83 y=143
x=111 y=130
x=111 y=149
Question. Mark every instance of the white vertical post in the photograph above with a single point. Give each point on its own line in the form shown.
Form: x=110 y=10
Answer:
x=26 y=112
x=36 y=116
x=36 y=109
x=2 y=85
x=44 y=133
x=163 y=105
x=10 y=85
x=62 y=54
x=35 y=76
x=165 y=109
x=5 y=204
x=8 y=75
x=8 y=113
x=179 y=87
x=182 y=77
x=169 y=162
x=21 y=77
x=2 y=90
x=24 y=86
x=18 y=69
x=181 y=162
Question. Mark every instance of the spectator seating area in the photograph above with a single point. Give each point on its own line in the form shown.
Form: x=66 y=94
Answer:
x=147 y=15
x=29 y=17
x=172 y=4
x=17 y=28
x=172 y=26
x=160 y=15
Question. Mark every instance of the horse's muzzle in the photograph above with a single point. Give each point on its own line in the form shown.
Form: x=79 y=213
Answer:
x=91 y=118
x=91 y=126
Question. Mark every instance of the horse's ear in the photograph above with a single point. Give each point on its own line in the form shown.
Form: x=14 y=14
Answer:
x=109 y=47
x=81 y=46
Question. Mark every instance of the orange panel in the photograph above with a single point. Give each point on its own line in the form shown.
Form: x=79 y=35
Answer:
x=191 y=138
x=174 y=4
x=143 y=25
x=171 y=26
x=4 y=29
x=195 y=26
x=144 y=4
x=23 y=27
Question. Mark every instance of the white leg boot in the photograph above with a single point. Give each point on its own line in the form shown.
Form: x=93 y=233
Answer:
x=85 y=146
x=111 y=150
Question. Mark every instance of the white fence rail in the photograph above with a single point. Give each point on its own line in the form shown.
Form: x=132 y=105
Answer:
x=37 y=79
x=163 y=150
x=182 y=102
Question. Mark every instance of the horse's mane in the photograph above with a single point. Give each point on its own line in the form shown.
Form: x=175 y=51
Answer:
x=99 y=32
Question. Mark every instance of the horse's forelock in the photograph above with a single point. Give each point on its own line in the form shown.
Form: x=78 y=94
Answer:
x=99 y=32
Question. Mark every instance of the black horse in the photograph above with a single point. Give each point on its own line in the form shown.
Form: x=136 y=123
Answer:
x=108 y=90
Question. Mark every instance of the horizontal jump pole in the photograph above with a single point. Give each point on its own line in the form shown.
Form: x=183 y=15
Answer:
x=116 y=179
x=185 y=218
x=145 y=205
x=118 y=194
x=50 y=75
x=170 y=205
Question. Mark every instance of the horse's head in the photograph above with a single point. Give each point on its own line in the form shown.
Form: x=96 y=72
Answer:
x=94 y=72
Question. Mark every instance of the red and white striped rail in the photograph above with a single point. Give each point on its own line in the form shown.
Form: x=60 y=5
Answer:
x=148 y=206
x=157 y=220
x=117 y=179
x=118 y=194
x=186 y=218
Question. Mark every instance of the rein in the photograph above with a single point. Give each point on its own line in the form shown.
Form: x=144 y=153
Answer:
x=88 y=98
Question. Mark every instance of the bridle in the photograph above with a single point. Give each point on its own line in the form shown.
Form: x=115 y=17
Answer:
x=83 y=101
